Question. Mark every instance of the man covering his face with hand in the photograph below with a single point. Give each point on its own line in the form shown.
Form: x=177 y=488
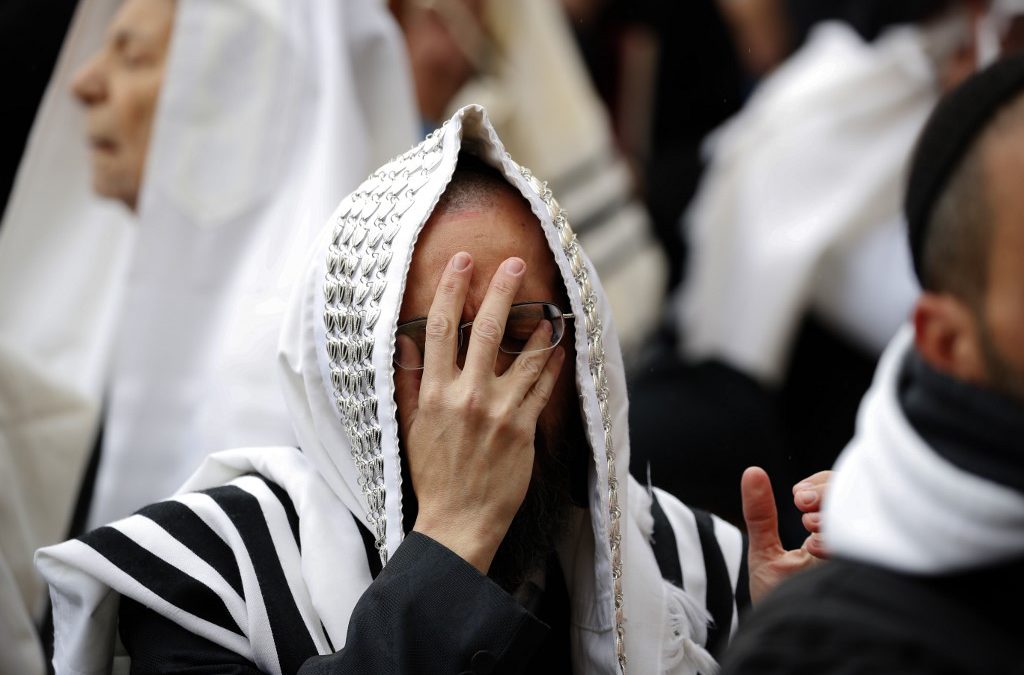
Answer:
x=460 y=501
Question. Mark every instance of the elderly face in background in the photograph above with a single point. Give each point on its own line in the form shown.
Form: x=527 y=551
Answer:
x=119 y=88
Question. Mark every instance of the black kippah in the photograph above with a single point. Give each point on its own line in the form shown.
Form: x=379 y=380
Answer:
x=959 y=118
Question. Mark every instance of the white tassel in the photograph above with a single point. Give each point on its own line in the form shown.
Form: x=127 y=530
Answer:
x=687 y=624
x=640 y=504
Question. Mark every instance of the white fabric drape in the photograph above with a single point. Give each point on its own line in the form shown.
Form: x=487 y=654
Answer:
x=894 y=502
x=63 y=256
x=801 y=205
x=270 y=112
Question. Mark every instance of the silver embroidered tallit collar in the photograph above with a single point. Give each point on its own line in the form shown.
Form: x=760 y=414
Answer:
x=368 y=257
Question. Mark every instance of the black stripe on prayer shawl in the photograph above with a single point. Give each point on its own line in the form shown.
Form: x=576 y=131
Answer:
x=602 y=215
x=183 y=524
x=159 y=576
x=289 y=508
x=292 y=640
x=583 y=172
x=621 y=256
x=666 y=553
x=370 y=544
x=719 y=592
x=743 y=581
x=327 y=636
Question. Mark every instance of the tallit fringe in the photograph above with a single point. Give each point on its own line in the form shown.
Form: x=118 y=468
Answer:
x=642 y=500
x=687 y=625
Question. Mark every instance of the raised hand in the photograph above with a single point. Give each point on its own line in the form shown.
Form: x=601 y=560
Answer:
x=469 y=431
x=769 y=563
x=807 y=495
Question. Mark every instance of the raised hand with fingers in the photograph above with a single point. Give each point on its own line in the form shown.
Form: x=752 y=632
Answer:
x=469 y=431
x=769 y=563
x=808 y=495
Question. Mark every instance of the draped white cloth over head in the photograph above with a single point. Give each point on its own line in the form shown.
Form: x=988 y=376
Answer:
x=63 y=256
x=336 y=354
x=801 y=206
x=269 y=113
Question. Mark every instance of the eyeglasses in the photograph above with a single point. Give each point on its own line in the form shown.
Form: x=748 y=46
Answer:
x=523 y=320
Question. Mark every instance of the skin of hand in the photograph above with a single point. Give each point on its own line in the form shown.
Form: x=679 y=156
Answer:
x=768 y=561
x=471 y=430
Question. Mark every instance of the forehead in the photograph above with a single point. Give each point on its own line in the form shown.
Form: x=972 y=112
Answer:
x=491 y=233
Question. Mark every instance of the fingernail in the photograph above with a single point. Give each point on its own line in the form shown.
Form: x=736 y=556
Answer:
x=515 y=266
x=806 y=497
x=461 y=261
x=814 y=518
x=801 y=486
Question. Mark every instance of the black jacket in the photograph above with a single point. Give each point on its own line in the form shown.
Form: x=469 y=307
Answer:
x=847 y=618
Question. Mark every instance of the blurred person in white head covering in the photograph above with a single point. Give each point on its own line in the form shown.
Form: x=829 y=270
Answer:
x=216 y=134
x=800 y=206
x=520 y=61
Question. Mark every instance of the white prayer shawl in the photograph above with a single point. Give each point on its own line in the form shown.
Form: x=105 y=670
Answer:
x=63 y=254
x=894 y=502
x=800 y=207
x=270 y=112
x=568 y=142
x=336 y=356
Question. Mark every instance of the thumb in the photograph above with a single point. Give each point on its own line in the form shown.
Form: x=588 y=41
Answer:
x=407 y=382
x=759 y=512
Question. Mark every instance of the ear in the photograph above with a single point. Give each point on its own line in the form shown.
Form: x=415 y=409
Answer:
x=946 y=335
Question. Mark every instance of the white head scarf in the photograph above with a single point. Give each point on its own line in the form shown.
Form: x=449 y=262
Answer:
x=346 y=326
x=270 y=112
x=63 y=255
x=801 y=205
x=336 y=354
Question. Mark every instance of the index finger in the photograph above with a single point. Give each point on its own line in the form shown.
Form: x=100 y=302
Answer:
x=489 y=322
x=441 y=339
x=759 y=512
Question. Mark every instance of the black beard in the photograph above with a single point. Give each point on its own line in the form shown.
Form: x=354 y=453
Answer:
x=540 y=522
x=559 y=476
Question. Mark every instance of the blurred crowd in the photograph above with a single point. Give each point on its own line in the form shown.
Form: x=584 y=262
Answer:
x=735 y=169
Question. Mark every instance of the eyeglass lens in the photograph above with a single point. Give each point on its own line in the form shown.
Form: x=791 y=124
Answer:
x=523 y=321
